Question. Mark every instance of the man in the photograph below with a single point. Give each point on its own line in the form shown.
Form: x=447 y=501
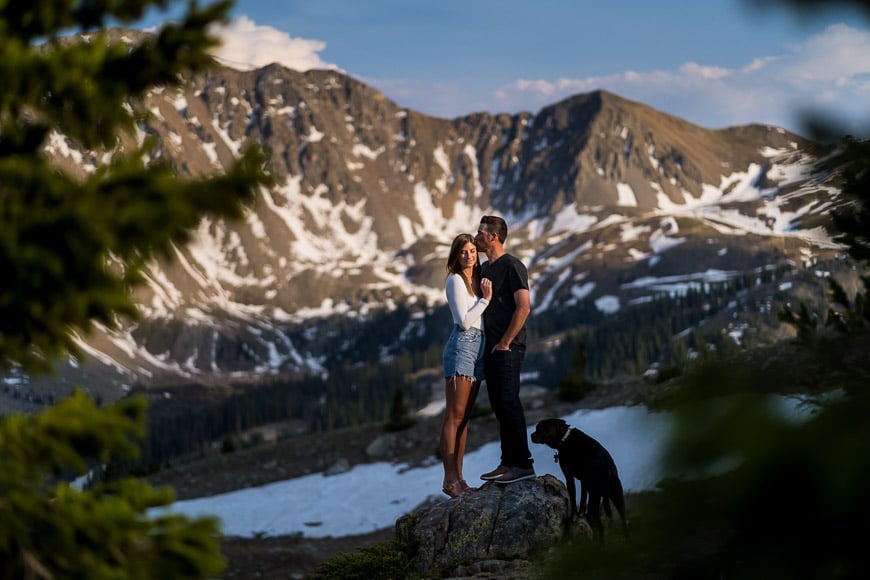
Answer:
x=505 y=335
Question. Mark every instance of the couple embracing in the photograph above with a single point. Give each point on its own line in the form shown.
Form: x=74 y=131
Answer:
x=489 y=304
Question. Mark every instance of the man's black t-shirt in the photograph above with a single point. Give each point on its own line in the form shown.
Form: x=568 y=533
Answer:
x=508 y=274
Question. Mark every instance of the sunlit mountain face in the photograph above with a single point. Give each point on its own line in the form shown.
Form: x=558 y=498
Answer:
x=610 y=203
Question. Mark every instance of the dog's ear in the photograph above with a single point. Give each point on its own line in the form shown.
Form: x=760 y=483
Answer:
x=562 y=422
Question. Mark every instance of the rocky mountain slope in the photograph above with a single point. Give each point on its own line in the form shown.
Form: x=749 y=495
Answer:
x=607 y=200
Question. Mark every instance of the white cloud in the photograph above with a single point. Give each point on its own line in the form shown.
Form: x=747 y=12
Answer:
x=839 y=54
x=828 y=71
x=248 y=45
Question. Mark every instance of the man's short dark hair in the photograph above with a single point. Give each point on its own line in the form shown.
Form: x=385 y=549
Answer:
x=495 y=225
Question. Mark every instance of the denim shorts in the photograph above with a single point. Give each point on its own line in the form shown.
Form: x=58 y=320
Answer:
x=463 y=353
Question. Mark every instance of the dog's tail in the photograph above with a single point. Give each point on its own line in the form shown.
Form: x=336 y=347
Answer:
x=616 y=495
x=614 y=491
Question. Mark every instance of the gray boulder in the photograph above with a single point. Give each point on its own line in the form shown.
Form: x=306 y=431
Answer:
x=494 y=524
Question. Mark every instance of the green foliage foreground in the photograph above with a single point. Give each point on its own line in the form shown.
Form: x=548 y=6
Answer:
x=51 y=529
x=72 y=247
x=390 y=560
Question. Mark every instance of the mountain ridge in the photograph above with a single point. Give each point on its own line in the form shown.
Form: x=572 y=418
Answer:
x=598 y=190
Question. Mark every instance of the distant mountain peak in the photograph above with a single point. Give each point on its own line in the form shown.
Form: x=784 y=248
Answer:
x=599 y=190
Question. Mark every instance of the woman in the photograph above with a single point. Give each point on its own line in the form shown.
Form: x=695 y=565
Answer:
x=467 y=296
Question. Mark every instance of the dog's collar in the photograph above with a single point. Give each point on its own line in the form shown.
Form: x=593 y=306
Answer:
x=564 y=437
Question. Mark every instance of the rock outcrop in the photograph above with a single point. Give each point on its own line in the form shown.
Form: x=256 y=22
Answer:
x=494 y=525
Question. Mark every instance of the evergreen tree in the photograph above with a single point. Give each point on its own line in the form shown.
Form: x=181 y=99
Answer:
x=71 y=249
x=50 y=529
x=575 y=385
x=58 y=233
x=399 y=418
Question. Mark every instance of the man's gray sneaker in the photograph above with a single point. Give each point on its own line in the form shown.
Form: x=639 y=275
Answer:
x=495 y=473
x=515 y=474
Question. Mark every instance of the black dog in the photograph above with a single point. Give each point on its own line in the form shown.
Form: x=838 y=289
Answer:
x=582 y=457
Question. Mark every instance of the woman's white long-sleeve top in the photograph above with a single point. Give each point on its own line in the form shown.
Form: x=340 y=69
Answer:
x=467 y=310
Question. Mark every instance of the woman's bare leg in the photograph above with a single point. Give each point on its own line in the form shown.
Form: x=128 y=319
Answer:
x=453 y=429
x=462 y=431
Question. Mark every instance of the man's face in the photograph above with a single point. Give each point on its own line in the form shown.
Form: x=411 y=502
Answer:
x=484 y=238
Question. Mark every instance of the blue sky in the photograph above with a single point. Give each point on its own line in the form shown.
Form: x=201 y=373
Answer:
x=713 y=62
